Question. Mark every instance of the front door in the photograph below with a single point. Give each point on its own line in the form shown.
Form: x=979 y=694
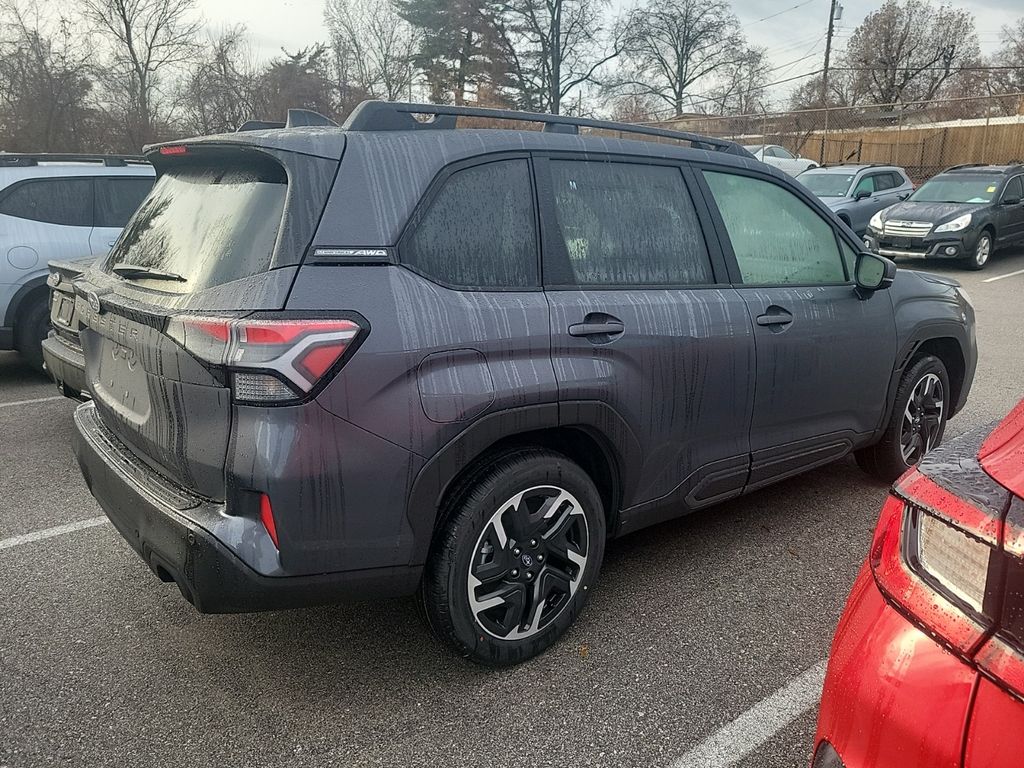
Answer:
x=825 y=352
x=1011 y=212
x=639 y=324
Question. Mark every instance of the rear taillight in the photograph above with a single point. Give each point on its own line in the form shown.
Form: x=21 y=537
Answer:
x=941 y=571
x=270 y=360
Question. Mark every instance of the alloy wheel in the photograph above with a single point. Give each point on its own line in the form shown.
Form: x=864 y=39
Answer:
x=528 y=562
x=983 y=250
x=922 y=419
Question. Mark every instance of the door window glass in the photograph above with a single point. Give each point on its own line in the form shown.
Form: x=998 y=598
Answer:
x=479 y=230
x=118 y=197
x=777 y=238
x=628 y=224
x=1014 y=190
x=53 y=201
x=867 y=184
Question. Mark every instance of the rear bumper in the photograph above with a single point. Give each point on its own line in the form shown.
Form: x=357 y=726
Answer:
x=65 y=364
x=171 y=531
x=892 y=695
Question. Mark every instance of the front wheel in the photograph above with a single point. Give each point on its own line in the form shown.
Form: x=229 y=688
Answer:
x=982 y=252
x=917 y=422
x=516 y=559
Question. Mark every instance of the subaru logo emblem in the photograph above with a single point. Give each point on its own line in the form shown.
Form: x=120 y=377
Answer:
x=527 y=559
x=94 y=302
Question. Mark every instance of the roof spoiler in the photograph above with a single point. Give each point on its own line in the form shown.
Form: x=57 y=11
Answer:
x=297 y=118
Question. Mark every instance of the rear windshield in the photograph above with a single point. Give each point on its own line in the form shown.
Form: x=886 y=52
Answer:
x=827 y=184
x=209 y=225
x=957 y=189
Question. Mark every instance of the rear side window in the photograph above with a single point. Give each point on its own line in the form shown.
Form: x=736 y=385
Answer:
x=117 y=198
x=628 y=224
x=778 y=239
x=884 y=181
x=52 y=201
x=479 y=231
x=210 y=224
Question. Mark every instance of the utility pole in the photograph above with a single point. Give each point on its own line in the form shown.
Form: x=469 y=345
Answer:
x=832 y=16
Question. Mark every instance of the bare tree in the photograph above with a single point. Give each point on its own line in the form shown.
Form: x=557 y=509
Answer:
x=146 y=39
x=675 y=45
x=373 y=46
x=556 y=46
x=743 y=84
x=1011 y=56
x=45 y=81
x=908 y=49
x=301 y=79
x=220 y=90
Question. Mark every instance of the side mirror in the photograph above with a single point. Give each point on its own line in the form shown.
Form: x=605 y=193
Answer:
x=862 y=194
x=874 y=272
x=1011 y=201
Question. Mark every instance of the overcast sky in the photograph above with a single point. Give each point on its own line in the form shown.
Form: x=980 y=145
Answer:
x=795 y=38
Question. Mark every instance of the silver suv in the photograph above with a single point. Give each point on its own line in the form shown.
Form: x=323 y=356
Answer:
x=56 y=207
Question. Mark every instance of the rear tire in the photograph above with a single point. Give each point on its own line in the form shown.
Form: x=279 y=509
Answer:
x=32 y=326
x=516 y=557
x=917 y=422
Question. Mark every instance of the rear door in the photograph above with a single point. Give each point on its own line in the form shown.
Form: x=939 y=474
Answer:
x=44 y=219
x=211 y=232
x=824 y=353
x=639 y=322
x=117 y=198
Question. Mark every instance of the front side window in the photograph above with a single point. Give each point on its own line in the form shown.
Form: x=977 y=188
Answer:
x=865 y=185
x=627 y=224
x=52 y=201
x=1014 y=189
x=479 y=230
x=778 y=239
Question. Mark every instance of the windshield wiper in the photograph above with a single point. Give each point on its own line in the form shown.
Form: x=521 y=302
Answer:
x=132 y=271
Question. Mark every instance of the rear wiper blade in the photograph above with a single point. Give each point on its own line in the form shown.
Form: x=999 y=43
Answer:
x=130 y=271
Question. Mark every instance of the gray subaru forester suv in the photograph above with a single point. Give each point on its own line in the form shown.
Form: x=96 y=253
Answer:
x=406 y=357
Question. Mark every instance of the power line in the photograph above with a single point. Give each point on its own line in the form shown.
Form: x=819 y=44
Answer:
x=779 y=13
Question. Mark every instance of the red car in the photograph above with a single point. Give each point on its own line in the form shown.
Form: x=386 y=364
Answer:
x=927 y=666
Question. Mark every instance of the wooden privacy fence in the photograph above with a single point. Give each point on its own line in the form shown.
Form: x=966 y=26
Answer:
x=924 y=137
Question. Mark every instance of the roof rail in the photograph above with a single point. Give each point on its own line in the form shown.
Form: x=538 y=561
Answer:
x=964 y=165
x=23 y=159
x=400 y=116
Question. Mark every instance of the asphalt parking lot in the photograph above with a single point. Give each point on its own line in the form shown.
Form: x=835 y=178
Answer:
x=695 y=622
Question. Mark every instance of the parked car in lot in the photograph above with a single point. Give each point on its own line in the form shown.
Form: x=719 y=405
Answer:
x=62 y=349
x=927 y=666
x=967 y=212
x=56 y=207
x=403 y=357
x=781 y=158
x=858 y=192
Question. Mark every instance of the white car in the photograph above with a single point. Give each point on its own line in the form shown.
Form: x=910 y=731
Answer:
x=56 y=207
x=781 y=158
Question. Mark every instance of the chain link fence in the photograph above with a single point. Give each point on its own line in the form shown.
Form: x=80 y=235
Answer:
x=922 y=137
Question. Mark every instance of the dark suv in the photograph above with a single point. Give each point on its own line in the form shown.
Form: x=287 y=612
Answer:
x=400 y=357
x=966 y=213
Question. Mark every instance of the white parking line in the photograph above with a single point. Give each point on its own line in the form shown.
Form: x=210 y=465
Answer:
x=33 y=400
x=1000 y=277
x=49 y=533
x=755 y=727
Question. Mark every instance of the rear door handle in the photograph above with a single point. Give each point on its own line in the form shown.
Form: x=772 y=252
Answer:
x=776 y=316
x=610 y=327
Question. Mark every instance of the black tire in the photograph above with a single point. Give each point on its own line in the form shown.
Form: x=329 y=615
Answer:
x=543 y=565
x=983 y=250
x=30 y=328
x=886 y=459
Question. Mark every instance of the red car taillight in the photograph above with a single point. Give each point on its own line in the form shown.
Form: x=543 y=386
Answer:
x=271 y=360
x=942 y=570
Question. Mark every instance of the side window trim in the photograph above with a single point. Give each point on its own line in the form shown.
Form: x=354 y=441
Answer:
x=736 y=279
x=553 y=249
x=1019 y=178
x=434 y=188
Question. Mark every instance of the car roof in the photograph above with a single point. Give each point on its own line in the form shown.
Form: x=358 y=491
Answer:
x=18 y=167
x=855 y=168
x=981 y=168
